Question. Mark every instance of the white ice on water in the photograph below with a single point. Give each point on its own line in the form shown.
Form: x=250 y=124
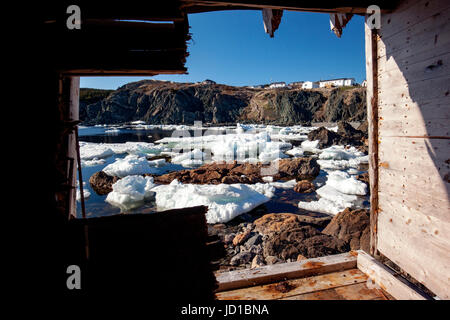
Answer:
x=224 y=201
x=339 y=192
x=131 y=192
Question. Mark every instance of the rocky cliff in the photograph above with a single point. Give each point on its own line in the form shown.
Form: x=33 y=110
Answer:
x=160 y=102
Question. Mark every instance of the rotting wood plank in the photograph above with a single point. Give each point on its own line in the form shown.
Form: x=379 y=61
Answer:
x=295 y=287
x=386 y=279
x=279 y=272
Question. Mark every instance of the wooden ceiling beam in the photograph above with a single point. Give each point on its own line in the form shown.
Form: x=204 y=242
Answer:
x=349 y=6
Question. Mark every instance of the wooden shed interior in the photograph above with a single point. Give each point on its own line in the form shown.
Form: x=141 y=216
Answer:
x=408 y=79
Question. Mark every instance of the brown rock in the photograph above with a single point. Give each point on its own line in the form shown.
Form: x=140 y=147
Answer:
x=306 y=240
x=364 y=178
x=257 y=261
x=353 y=227
x=102 y=183
x=304 y=186
x=326 y=137
x=298 y=168
x=301 y=257
x=215 y=173
x=241 y=237
x=272 y=260
x=276 y=222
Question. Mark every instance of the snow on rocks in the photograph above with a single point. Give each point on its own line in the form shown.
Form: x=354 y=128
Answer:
x=131 y=192
x=224 y=201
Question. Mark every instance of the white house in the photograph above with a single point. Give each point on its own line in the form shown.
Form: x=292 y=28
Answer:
x=340 y=82
x=364 y=83
x=277 y=85
x=310 y=84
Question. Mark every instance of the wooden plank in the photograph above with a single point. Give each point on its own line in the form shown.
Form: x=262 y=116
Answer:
x=328 y=294
x=295 y=287
x=73 y=113
x=358 y=291
x=433 y=67
x=408 y=14
x=418 y=244
x=419 y=93
x=431 y=32
x=385 y=278
x=321 y=6
x=372 y=118
x=283 y=271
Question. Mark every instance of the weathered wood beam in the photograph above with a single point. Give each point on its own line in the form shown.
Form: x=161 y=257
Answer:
x=398 y=287
x=278 y=272
x=352 y=6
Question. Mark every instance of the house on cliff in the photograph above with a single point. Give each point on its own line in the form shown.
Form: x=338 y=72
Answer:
x=340 y=82
x=275 y=85
x=310 y=85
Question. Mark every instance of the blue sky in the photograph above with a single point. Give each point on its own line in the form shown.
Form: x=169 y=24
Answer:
x=231 y=47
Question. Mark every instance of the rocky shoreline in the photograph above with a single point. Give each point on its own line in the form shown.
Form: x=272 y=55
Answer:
x=258 y=238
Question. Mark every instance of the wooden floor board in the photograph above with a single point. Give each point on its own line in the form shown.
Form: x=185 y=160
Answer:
x=296 y=287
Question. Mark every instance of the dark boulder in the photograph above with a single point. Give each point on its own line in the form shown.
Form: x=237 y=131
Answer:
x=326 y=137
x=102 y=183
x=306 y=241
x=353 y=227
x=298 y=168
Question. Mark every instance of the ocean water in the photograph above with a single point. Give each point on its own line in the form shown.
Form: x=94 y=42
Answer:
x=285 y=200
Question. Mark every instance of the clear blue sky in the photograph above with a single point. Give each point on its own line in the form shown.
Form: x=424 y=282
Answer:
x=231 y=47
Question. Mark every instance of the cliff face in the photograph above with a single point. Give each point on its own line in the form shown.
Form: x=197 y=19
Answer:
x=159 y=102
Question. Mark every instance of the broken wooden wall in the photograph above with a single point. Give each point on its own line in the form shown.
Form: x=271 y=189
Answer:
x=409 y=84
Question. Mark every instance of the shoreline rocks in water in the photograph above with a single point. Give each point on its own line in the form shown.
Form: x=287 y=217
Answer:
x=346 y=134
x=102 y=182
x=227 y=173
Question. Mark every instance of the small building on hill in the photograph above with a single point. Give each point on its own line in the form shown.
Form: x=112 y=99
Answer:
x=310 y=85
x=340 y=82
x=277 y=85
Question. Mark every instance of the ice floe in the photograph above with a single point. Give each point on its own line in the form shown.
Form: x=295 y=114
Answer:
x=90 y=150
x=189 y=159
x=131 y=192
x=340 y=158
x=340 y=191
x=295 y=152
x=224 y=201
